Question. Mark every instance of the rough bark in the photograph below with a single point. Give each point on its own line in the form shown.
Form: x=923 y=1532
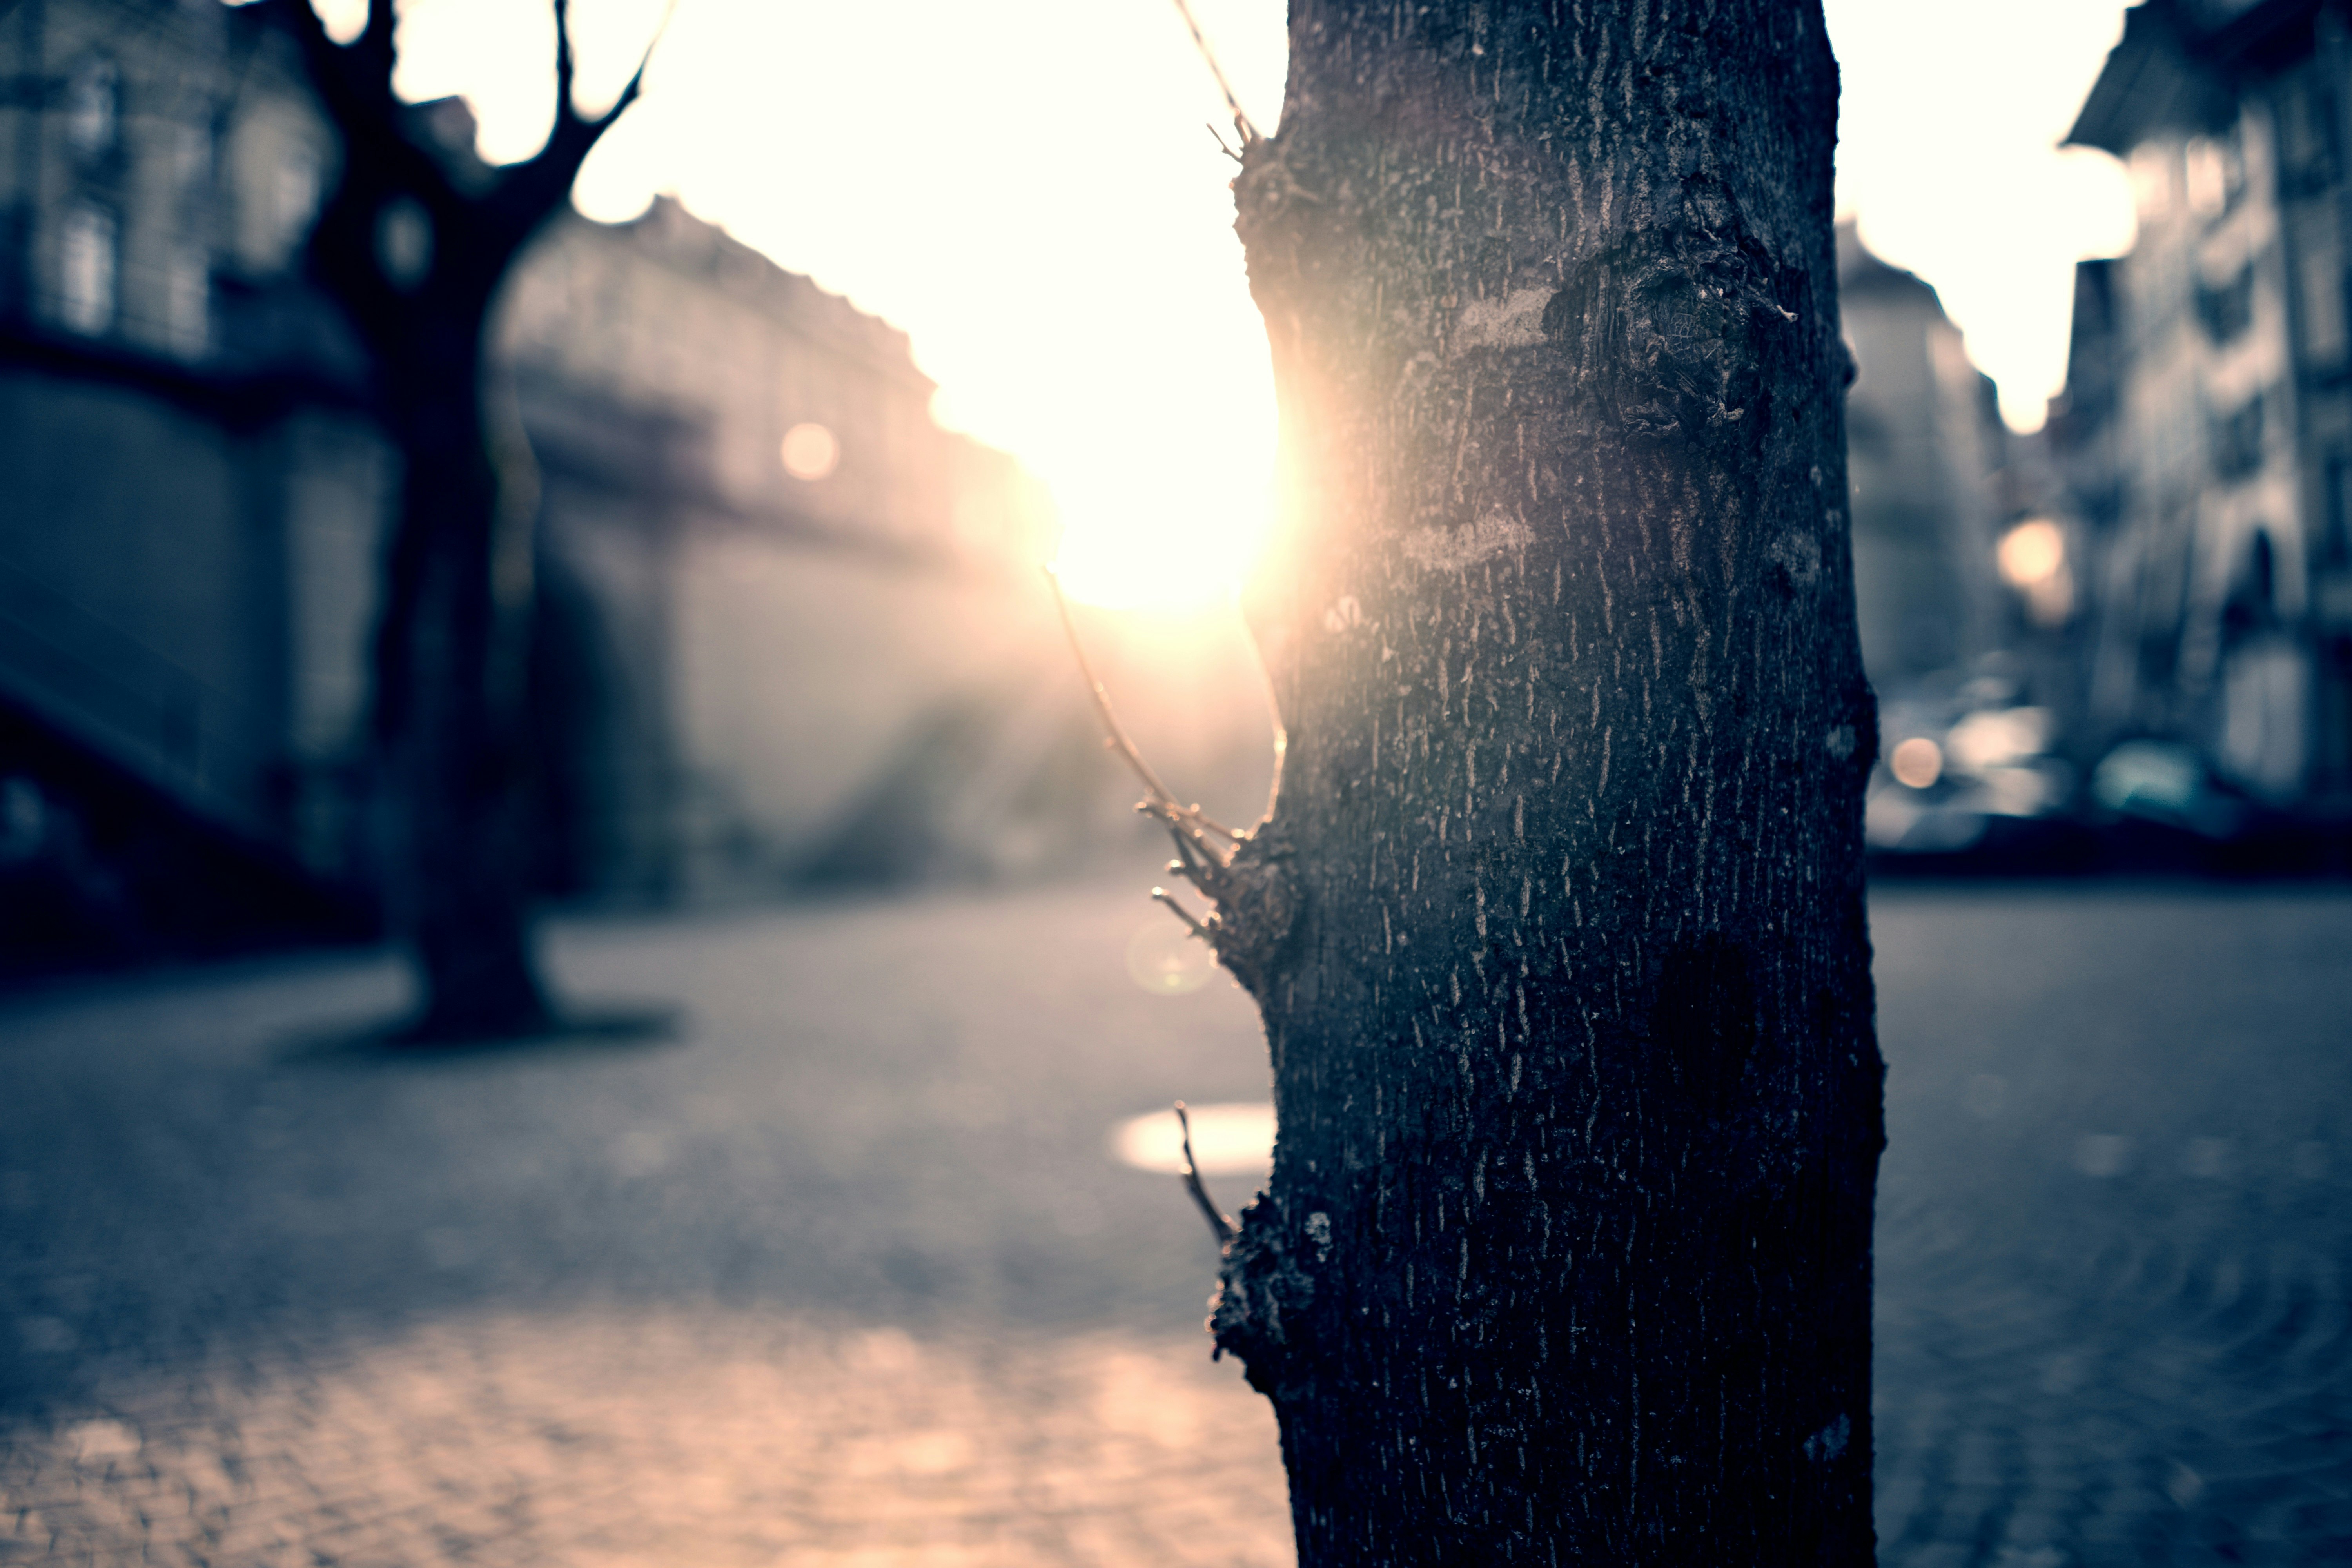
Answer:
x=450 y=650
x=1557 y=925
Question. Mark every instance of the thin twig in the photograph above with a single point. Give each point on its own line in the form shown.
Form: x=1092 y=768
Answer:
x=1241 y=120
x=1273 y=711
x=1220 y=135
x=1195 y=812
x=636 y=82
x=1161 y=895
x=1162 y=802
x=1112 y=730
x=1185 y=865
x=1221 y=1228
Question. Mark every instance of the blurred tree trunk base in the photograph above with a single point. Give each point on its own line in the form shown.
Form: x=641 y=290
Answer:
x=474 y=950
x=454 y=738
x=414 y=243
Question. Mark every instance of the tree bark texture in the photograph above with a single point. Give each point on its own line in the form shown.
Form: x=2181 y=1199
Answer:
x=414 y=243
x=1557 y=925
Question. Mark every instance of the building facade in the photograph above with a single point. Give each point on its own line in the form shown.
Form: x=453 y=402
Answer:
x=2206 y=427
x=774 y=596
x=1925 y=450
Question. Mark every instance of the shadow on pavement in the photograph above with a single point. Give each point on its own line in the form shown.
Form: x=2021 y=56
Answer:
x=582 y=1032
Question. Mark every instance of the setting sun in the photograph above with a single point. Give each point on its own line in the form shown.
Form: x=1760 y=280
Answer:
x=1171 y=542
x=1036 y=198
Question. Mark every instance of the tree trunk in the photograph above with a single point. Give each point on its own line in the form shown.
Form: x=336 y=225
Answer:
x=414 y=243
x=450 y=685
x=1557 y=926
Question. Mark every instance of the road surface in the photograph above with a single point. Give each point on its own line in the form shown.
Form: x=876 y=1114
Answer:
x=835 y=1267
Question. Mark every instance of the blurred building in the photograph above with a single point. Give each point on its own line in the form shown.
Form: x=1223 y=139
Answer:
x=2206 y=430
x=752 y=533
x=787 y=626
x=1973 y=661
x=180 y=426
x=1925 y=452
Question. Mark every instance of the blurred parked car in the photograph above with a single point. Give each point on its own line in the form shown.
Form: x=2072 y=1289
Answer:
x=1955 y=770
x=1972 y=780
x=2169 y=785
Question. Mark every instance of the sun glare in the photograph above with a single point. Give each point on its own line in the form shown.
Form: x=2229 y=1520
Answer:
x=1167 y=507
x=1159 y=555
x=1099 y=325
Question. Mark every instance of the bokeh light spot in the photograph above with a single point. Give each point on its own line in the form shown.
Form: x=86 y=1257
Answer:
x=1228 y=1140
x=1167 y=960
x=1918 y=762
x=2032 y=553
x=2101 y=1154
x=810 y=452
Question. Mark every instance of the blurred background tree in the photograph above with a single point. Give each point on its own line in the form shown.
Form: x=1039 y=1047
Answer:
x=413 y=241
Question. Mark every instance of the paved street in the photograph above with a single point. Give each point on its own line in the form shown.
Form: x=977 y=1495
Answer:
x=835 y=1268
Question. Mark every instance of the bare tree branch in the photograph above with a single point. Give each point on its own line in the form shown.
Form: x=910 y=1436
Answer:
x=534 y=189
x=355 y=96
x=1241 y=125
x=566 y=67
x=1219 y=1226
x=637 y=81
x=374 y=46
x=1161 y=895
x=1184 y=821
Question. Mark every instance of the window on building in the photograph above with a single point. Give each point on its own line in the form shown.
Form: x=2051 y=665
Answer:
x=2214 y=175
x=93 y=108
x=2335 y=535
x=291 y=199
x=2308 y=137
x=2321 y=269
x=2151 y=176
x=2227 y=309
x=2238 y=440
x=2203 y=170
x=404 y=243
x=85 y=269
x=191 y=160
x=2327 y=134
x=188 y=304
x=2252 y=599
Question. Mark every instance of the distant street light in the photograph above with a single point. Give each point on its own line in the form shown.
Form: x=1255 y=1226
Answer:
x=810 y=452
x=1918 y=762
x=2032 y=553
x=2032 y=560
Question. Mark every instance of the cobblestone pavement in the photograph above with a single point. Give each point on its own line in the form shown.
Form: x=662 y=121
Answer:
x=2113 y=1237
x=702 y=1438
x=837 y=1272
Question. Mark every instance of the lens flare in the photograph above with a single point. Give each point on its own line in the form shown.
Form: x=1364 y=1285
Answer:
x=2032 y=553
x=1918 y=762
x=1228 y=1140
x=1167 y=960
x=810 y=452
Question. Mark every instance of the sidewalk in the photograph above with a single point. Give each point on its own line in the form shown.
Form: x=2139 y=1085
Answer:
x=840 y=1271
x=703 y=1438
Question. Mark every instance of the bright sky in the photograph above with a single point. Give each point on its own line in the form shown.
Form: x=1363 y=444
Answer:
x=1029 y=188
x=1947 y=152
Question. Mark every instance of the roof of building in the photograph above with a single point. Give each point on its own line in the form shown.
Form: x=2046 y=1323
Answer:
x=1861 y=272
x=667 y=232
x=2175 y=66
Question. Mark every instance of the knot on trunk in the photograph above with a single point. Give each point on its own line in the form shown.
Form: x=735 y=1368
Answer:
x=1263 y=1294
x=1680 y=340
x=1257 y=908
